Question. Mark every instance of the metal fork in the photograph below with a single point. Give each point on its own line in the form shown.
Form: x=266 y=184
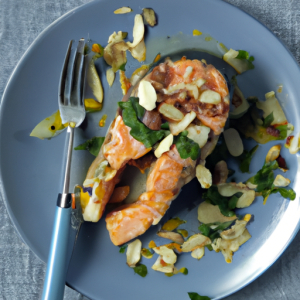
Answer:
x=71 y=106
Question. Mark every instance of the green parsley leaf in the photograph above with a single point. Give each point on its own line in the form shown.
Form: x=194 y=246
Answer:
x=165 y=126
x=139 y=130
x=287 y=193
x=122 y=67
x=186 y=147
x=195 y=296
x=268 y=120
x=141 y=270
x=246 y=158
x=123 y=248
x=282 y=131
x=206 y=229
x=245 y=55
x=93 y=145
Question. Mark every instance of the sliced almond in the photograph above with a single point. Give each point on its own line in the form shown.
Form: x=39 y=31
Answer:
x=110 y=76
x=273 y=153
x=233 y=142
x=176 y=128
x=188 y=72
x=198 y=253
x=138 y=31
x=167 y=254
x=170 y=112
x=133 y=253
x=210 y=97
x=281 y=181
x=204 y=176
x=164 y=146
x=194 y=242
x=173 y=236
x=199 y=134
x=149 y=16
x=123 y=10
x=162 y=266
x=208 y=213
x=147 y=95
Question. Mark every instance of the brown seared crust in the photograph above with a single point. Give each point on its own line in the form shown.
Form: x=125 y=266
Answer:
x=144 y=162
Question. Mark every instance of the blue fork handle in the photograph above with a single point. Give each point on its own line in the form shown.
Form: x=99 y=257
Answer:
x=54 y=284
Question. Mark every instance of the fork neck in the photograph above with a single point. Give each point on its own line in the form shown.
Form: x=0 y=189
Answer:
x=69 y=141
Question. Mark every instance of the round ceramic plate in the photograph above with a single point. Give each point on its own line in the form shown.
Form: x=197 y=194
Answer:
x=31 y=168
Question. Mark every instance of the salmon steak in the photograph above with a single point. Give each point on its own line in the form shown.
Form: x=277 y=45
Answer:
x=170 y=124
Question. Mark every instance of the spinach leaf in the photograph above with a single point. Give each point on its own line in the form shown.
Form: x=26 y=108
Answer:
x=93 y=145
x=268 y=120
x=195 y=296
x=123 y=248
x=140 y=110
x=141 y=270
x=165 y=126
x=186 y=147
x=246 y=158
x=139 y=130
x=282 y=131
x=233 y=200
x=213 y=233
x=245 y=55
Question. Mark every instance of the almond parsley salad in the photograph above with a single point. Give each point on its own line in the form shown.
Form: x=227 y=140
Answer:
x=178 y=120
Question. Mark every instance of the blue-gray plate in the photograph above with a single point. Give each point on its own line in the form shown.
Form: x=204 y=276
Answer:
x=31 y=168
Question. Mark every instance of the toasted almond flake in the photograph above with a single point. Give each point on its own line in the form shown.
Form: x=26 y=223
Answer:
x=170 y=112
x=233 y=142
x=273 y=153
x=176 y=128
x=198 y=134
x=162 y=267
x=204 y=176
x=199 y=82
x=173 y=236
x=149 y=16
x=123 y=10
x=281 y=181
x=208 y=213
x=235 y=230
x=164 y=145
x=139 y=74
x=110 y=76
x=139 y=51
x=133 y=253
x=294 y=144
x=188 y=72
x=167 y=254
x=147 y=95
x=194 y=242
x=198 y=253
x=138 y=31
x=211 y=97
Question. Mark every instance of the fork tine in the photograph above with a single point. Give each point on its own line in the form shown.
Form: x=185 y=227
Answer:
x=63 y=75
x=78 y=74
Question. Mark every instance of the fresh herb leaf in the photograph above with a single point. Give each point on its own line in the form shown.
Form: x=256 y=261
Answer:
x=209 y=247
x=146 y=253
x=287 y=193
x=195 y=296
x=186 y=147
x=233 y=200
x=139 y=130
x=212 y=196
x=93 y=145
x=122 y=67
x=165 y=126
x=141 y=270
x=205 y=229
x=213 y=230
x=245 y=55
x=184 y=271
x=282 y=131
x=246 y=158
x=268 y=120
x=140 y=110
x=123 y=248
